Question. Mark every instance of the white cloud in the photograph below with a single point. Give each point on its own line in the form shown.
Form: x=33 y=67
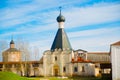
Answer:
x=79 y=16
x=94 y=43
x=92 y=15
x=93 y=32
x=95 y=40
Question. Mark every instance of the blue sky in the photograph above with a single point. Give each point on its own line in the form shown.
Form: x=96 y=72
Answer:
x=91 y=25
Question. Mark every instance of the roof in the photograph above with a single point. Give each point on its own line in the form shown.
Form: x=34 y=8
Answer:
x=61 y=41
x=98 y=53
x=116 y=43
x=12 y=42
x=19 y=62
x=12 y=50
x=98 y=56
x=81 y=50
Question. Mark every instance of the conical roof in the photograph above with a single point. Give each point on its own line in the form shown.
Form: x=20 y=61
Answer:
x=61 y=41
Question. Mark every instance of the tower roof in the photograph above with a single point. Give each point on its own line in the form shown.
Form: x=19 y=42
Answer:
x=61 y=41
x=11 y=42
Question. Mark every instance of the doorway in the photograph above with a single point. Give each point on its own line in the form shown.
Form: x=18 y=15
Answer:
x=56 y=70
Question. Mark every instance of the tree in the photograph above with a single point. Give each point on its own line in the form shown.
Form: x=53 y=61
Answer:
x=24 y=47
x=36 y=52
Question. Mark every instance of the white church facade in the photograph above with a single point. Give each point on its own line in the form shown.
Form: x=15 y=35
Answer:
x=60 y=60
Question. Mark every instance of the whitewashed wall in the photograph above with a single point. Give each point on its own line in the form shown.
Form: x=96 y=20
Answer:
x=115 y=59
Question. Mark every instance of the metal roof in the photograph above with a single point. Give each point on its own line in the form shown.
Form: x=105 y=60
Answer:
x=61 y=41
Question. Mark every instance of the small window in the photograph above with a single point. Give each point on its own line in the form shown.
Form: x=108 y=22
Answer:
x=75 y=69
x=64 y=69
x=55 y=58
x=83 y=69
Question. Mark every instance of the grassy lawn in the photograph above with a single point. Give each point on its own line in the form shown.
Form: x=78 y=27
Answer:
x=12 y=76
x=70 y=78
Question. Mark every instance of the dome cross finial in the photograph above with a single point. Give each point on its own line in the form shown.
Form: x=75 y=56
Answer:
x=12 y=37
x=60 y=9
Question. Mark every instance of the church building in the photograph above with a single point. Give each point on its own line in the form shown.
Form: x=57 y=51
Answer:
x=62 y=60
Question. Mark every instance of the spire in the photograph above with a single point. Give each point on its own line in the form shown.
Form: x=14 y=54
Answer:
x=61 y=40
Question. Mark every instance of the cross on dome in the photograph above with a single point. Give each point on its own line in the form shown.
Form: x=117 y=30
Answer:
x=60 y=18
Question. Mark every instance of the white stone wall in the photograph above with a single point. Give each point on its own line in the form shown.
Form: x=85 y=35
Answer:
x=115 y=59
x=89 y=69
x=14 y=56
x=64 y=60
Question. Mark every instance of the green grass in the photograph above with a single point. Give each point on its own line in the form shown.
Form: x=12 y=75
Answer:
x=85 y=78
x=69 y=78
x=73 y=78
x=11 y=76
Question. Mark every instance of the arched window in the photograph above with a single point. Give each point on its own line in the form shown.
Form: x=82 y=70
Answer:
x=55 y=58
x=64 y=69
x=75 y=69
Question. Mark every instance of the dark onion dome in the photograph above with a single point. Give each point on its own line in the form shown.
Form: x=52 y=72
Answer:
x=60 y=18
x=12 y=42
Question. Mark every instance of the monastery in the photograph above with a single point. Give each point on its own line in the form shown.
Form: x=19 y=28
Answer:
x=60 y=60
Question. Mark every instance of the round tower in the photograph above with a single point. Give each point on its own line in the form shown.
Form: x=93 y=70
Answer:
x=11 y=54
